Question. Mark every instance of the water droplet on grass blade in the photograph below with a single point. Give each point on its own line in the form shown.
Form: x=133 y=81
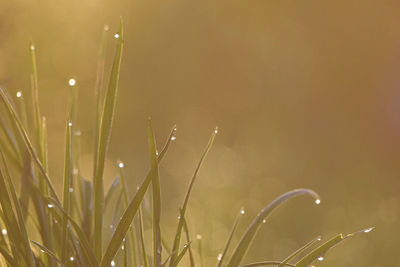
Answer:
x=116 y=36
x=72 y=82
x=219 y=258
x=121 y=164
x=320 y=258
x=50 y=206
x=318 y=201
x=71 y=258
x=112 y=263
x=368 y=230
x=4 y=231
x=19 y=94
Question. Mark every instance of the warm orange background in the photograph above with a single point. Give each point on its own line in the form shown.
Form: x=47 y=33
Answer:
x=306 y=94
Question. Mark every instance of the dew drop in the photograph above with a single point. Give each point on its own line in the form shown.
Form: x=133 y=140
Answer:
x=199 y=237
x=319 y=238
x=32 y=47
x=42 y=250
x=112 y=263
x=219 y=258
x=173 y=138
x=242 y=211
x=70 y=124
x=19 y=94
x=70 y=190
x=318 y=201
x=50 y=206
x=71 y=258
x=320 y=258
x=122 y=247
x=369 y=230
x=116 y=36
x=216 y=130
x=4 y=231
x=72 y=82
x=264 y=221
x=121 y=164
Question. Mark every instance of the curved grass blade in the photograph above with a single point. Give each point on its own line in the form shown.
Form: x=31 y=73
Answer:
x=251 y=231
x=15 y=119
x=228 y=242
x=300 y=250
x=321 y=250
x=178 y=234
x=48 y=251
x=130 y=212
x=157 y=247
x=104 y=138
x=15 y=229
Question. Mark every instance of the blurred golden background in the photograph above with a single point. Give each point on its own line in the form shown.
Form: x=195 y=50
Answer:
x=306 y=94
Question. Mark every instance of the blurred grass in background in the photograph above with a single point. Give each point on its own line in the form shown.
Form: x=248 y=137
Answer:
x=306 y=94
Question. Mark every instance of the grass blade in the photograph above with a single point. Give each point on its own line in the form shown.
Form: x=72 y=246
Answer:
x=48 y=251
x=15 y=119
x=157 y=248
x=67 y=186
x=180 y=255
x=300 y=250
x=131 y=237
x=142 y=242
x=266 y=263
x=251 y=231
x=186 y=229
x=130 y=212
x=321 y=250
x=177 y=239
x=104 y=138
x=229 y=240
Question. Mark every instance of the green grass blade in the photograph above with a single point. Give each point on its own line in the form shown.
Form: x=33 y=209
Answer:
x=229 y=240
x=67 y=186
x=321 y=250
x=131 y=237
x=142 y=242
x=14 y=232
x=130 y=213
x=111 y=192
x=157 y=247
x=104 y=138
x=89 y=253
x=48 y=251
x=8 y=257
x=180 y=255
x=265 y=263
x=300 y=250
x=189 y=240
x=28 y=144
x=35 y=98
x=177 y=239
x=251 y=231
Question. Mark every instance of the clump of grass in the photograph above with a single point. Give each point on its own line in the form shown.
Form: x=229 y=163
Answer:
x=68 y=230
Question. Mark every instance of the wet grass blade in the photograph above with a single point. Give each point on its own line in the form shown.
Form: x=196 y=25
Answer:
x=130 y=212
x=157 y=247
x=28 y=144
x=177 y=239
x=188 y=239
x=15 y=230
x=180 y=255
x=67 y=186
x=131 y=237
x=229 y=240
x=142 y=242
x=300 y=250
x=48 y=251
x=87 y=250
x=104 y=138
x=321 y=250
x=265 y=263
x=251 y=231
